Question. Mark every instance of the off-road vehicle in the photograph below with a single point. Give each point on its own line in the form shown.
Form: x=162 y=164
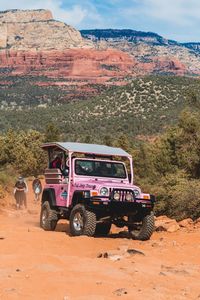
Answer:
x=89 y=185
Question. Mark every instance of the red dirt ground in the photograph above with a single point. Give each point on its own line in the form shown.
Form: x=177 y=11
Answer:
x=35 y=264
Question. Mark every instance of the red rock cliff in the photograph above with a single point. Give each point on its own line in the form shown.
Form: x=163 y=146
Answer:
x=74 y=62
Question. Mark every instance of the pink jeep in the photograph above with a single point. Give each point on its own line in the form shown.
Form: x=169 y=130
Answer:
x=88 y=185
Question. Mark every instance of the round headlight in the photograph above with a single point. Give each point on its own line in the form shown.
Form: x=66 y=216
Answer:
x=116 y=196
x=129 y=197
x=136 y=193
x=104 y=191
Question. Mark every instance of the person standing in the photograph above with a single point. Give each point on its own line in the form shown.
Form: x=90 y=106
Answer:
x=37 y=188
x=20 y=191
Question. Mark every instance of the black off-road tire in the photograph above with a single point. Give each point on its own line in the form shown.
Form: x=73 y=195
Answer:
x=48 y=217
x=146 y=229
x=87 y=221
x=102 y=229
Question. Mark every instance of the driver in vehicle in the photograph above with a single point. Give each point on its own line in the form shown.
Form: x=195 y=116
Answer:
x=105 y=170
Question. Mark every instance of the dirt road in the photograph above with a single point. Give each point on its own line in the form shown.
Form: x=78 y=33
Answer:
x=35 y=264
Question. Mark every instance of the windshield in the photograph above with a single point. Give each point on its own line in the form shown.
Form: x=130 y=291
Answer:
x=100 y=168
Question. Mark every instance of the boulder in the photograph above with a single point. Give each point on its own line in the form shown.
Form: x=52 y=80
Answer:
x=163 y=223
x=197 y=220
x=186 y=223
x=197 y=223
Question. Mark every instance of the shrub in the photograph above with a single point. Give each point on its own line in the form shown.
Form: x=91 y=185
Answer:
x=2 y=192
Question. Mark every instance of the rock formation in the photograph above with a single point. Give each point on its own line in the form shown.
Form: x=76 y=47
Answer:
x=36 y=30
x=155 y=52
x=83 y=63
x=23 y=16
x=33 y=43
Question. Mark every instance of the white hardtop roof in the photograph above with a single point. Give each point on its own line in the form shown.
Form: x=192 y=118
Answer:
x=88 y=149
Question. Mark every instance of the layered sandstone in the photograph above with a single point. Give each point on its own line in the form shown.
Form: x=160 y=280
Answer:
x=169 y=65
x=18 y=16
x=84 y=63
x=90 y=65
x=146 y=47
x=36 y=30
x=32 y=42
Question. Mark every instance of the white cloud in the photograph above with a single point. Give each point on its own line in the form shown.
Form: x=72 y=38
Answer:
x=174 y=19
x=74 y=16
x=180 y=12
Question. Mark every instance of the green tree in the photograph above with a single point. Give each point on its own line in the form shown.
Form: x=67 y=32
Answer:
x=7 y=146
x=52 y=133
x=108 y=140
x=188 y=143
x=87 y=139
x=123 y=142
x=23 y=151
x=193 y=98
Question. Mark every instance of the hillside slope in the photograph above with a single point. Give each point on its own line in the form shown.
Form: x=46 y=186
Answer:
x=144 y=106
x=128 y=35
x=149 y=48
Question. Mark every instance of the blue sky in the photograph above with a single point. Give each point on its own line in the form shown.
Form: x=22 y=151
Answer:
x=173 y=19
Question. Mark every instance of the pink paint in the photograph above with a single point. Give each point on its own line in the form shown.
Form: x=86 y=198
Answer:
x=64 y=191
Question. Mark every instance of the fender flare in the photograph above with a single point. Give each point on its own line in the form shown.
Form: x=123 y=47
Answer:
x=49 y=195
x=78 y=198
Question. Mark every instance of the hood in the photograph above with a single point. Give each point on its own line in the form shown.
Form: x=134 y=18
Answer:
x=97 y=184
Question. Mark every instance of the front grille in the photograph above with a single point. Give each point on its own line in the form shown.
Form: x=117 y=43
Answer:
x=123 y=193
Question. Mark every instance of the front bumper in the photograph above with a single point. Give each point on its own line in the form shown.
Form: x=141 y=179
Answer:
x=110 y=203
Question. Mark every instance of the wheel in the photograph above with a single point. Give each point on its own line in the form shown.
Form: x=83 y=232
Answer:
x=82 y=221
x=144 y=230
x=48 y=217
x=102 y=229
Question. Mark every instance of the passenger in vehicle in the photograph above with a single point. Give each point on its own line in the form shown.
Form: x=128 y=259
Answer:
x=80 y=170
x=56 y=163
